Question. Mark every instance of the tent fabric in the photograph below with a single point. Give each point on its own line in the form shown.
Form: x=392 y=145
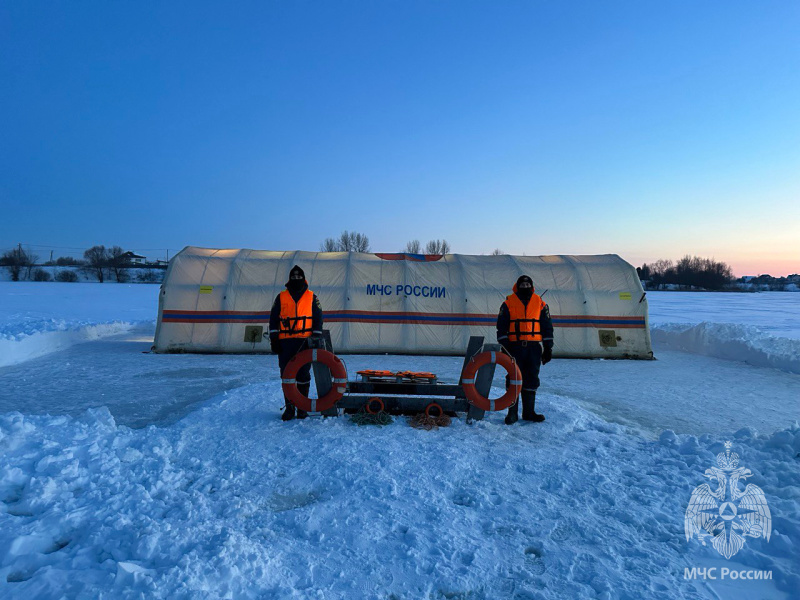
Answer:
x=396 y=303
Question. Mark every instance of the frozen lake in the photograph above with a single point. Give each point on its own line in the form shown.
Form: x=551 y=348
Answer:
x=67 y=373
x=129 y=474
x=776 y=313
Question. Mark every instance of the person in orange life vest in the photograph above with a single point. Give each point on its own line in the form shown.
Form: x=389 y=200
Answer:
x=523 y=328
x=296 y=316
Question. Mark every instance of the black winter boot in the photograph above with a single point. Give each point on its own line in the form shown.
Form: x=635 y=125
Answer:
x=303 y=388
x=513 y=413
x=288 y=414
x=529 y=407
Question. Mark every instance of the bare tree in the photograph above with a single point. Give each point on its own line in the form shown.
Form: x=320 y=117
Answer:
x=354 y=242
x=349 y=241
x=644 y=272
x=17 y=259
x=117 y=261
x=688 y=272
x=497 y=252
x=329 y=245
x=68 y=261
x=96 y=261
x=30 y=261
x=437 y=247
x=662 y=272
x=413 y=247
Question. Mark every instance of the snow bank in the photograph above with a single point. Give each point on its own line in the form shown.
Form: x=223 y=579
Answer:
x=39 y=318
x=731 y=342
x=55 y=336
x=773 y=313
x=230 y=502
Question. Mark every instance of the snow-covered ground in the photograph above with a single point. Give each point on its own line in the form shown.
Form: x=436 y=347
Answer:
x=773 y=313
x=125 y=474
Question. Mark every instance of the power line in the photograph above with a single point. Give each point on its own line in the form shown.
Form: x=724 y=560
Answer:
x=83 y=248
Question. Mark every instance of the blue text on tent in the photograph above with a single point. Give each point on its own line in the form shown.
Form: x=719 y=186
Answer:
x=426 y=291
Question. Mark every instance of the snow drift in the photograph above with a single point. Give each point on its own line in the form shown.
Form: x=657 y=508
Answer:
x=729 y=341
x=37 y=318
x=52 y=337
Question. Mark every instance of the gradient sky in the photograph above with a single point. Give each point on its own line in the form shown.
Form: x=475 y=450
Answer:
x=646 y=129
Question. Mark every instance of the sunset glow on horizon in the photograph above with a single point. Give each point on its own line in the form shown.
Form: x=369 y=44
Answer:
x=647 y=130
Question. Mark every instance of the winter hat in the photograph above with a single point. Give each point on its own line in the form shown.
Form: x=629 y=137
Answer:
x=295 y=270
x=295 y=285
x=526 y=279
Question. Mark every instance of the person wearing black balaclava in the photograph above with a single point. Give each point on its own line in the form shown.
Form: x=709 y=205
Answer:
x=525 y=330
x=296 y=316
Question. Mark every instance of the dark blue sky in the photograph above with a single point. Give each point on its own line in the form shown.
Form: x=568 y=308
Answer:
x=647 y=129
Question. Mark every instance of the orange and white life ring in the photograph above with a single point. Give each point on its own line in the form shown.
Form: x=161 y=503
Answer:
x=338 y=374
x=471 y=370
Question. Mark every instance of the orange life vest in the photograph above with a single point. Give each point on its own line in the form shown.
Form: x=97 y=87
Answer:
x=295 y=320
x=524 y=325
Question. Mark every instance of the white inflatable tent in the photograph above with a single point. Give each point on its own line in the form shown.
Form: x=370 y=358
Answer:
x=219 y=301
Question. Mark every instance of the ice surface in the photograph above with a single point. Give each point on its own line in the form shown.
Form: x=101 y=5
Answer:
x=680 y=391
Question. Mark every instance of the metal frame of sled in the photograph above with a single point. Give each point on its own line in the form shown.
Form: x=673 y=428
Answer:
x=399 y=397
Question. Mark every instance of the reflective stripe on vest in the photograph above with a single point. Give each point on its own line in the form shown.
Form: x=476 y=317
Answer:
x=295 y=319
x=524 y=325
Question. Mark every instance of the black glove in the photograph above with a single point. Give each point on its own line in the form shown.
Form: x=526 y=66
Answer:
x=506 y=345
x=275 y=345
x=547 y=355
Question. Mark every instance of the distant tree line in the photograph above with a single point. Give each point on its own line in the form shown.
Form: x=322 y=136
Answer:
x=440 y=247
x=99 y=262
x=768 y=282
x=348 y=241
x=352 y=241
x=689 y=272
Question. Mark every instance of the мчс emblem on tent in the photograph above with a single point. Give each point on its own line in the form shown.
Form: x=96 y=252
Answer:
x=727 y=515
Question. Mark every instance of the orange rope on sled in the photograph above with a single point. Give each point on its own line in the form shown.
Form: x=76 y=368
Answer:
x=423 y=421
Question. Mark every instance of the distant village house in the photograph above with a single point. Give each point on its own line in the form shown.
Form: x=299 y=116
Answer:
x=132 y=258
